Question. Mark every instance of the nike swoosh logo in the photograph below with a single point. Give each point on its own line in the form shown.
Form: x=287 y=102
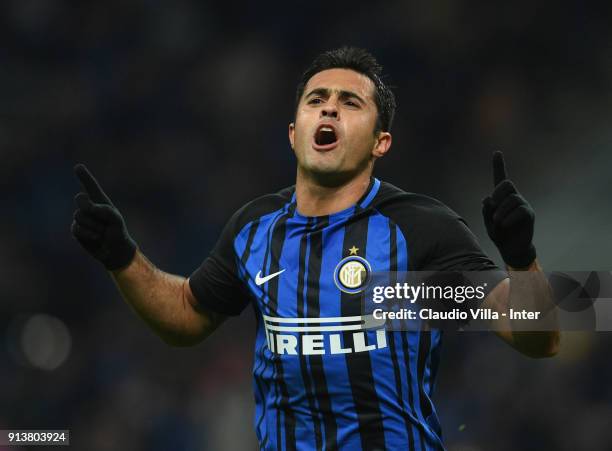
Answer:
x=261 y=280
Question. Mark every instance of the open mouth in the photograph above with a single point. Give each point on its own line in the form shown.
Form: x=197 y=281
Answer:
x=326 y=137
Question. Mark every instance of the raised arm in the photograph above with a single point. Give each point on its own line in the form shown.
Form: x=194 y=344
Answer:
x=509 y=220
x=164 y=301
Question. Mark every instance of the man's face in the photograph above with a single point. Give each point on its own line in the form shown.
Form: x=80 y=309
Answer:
x=333 y=134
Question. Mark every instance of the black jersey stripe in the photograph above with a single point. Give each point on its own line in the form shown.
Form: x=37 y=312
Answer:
x=281 y=214
x=424 y=336
x=392 y=335
x=313 y=309
x=359 y=365
x=411 y=382
x=256 y=371
x=423 y=353
x=301 y=309
x=246 y=253
x=406 y=335
x=424 y=349
x=247 y=248
x=276 y=248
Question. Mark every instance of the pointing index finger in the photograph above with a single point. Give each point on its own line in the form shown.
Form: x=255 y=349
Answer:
x=91 y=185
x=499 y=168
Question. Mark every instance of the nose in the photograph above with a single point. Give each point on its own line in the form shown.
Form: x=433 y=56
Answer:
x=330 y=110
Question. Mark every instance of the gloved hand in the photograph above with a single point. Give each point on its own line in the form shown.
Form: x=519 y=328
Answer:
x=98 y=226
x=509 y=218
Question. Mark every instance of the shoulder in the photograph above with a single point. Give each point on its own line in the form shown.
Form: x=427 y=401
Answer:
x=259 y=208
x=406 y=208
x=438 y=238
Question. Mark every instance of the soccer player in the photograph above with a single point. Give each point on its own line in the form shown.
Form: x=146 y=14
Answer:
x=322 y=378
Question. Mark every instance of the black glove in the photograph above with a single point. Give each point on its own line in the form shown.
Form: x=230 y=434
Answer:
x=98 y=226
x=509 y=218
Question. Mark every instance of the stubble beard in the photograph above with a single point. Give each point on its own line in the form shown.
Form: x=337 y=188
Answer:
x=331 y=175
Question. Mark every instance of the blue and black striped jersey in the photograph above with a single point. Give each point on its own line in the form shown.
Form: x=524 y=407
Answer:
x=322 y=379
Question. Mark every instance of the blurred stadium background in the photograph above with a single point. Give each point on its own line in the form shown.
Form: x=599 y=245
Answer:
x=180 y=108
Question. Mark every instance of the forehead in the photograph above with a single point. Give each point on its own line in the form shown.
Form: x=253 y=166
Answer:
x=342 y=79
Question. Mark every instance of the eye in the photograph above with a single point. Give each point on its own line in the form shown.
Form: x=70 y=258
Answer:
x=314 y=101
x=351 y=103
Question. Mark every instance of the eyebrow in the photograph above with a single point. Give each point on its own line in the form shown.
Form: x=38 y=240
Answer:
x=343 y=94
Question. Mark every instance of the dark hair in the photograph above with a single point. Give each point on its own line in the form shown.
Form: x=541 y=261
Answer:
x=361 y=61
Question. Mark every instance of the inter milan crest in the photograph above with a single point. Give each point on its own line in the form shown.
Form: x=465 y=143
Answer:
x=352 y=273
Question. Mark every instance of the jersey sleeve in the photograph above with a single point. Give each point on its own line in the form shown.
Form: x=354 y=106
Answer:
x=439 y=241
x=216 y=283
x=452 y=246
x=458 y=259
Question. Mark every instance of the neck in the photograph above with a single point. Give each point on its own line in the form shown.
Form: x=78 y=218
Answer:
x=315 y=199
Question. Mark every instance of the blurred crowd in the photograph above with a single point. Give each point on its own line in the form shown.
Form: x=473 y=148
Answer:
x=181 y=108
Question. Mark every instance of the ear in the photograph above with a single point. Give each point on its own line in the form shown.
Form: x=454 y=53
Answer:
x=292 y=134
x=383 y=143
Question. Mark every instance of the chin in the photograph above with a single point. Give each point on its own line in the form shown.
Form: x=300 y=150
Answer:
x=321 y=164
x=330 y=175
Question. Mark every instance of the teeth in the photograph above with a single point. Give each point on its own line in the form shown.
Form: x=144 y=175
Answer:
x=327 y=129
